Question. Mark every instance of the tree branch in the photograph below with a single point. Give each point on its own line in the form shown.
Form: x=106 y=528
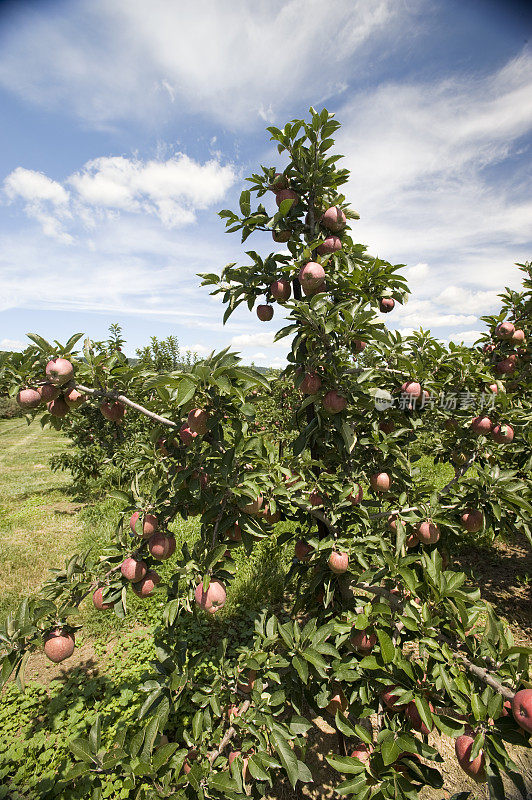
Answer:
x=125 y=401
x=230 y=732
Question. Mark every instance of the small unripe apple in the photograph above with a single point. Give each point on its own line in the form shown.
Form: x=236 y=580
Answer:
x=286 y=194
x=281 y=289
x=150 y=524
x=29 y=398
x=310 y=384
x=427 y=532
x=114 y=412
x=338 y=702
x=412 y=388
x=481 y=425
x=264 y=313
x=197 y=420
x=475 y=768
x=59 y=371
x=311 y=277
x=338 y=562
x=281 y=236
x=57 y=408
x=98 y=601
x=254 y=507
x=380 y=482
x=333 y=219
x=334 y=403
x=59 y=644
x=279 y=182
x=186 y=435
x=161 y=546
x=386 y=304
x=363 y=641
x=73 y=398
x=502 y=434
x=356 y=495
x=473 y=520
x=49 y=392
x=211 y=600
x=330 y=245
x=505 y=330
x=522 y=709
x=146 y=586
x=302 y=550
x=133 y=570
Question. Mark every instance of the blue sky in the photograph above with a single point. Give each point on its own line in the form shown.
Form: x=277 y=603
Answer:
x=127 y=125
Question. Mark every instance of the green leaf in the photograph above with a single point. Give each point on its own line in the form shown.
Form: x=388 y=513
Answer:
x=387 y=647
x=81 y=749
x=197 y=725
x=287 y=756
x=185 y=392
x=301 y=667
x=390 y=751
x=346 y=764
x=256 y=769
x=95 y=735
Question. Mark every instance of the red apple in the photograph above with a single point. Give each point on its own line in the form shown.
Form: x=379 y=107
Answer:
x=472 y=519
x=255 y=506
x=518 y=337
x=264 y=313
x=234 y=534
x=475 y=768
x=310 y=384
x=98 y=601
x=489 y=347
x=146 y=586
x=362 y=752
x=279 y=182
x=386 y=304
x=330 y=245
x=246 y=686
x=356 y=495
x=427 y=532
x=522 y=709
x=338 y=702
x=390 y=699
x=59 y=644
x=359 y=346
x=505 y=330
x=502 y=434
x=281 y=289
x=59 y=371
x=302 y=550
x=286 y=194
x=338 y=562
x=492 y=387
x=311 y=277
x=186 y=435
x=333 y=219
x=133 y=569
x=49 y=392
x=334 y=403
x=415 y=719
x=114 y=412
x=281 y=236
x=481 y=425
x=363 y=641
x=29 y=398
x=507 y=366
x=271 y=519
x=73 y=398
x=58 y=408
x=150 y=524
x=315 y=498
x=161 y=546
x=411 y=541
x=211 y=600
x=412 y=388
x=197 y=420
x=380 y=482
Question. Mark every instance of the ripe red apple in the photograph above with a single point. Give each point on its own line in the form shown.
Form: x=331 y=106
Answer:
x=333 y=219
x=427 y=532
x=58 y=408
x=338 y=702
x=161 y=546
x=73 y=398
x=246 y=686
x=502 y=434
x=281 y=289
x=338 y=562
x=315 y=498
x=286 y=194
x=334 y=403
x=59 y=645
x=150 y=524
x=362 y=752
x=518 y=336
x=211 y=600
x=505 y=330
x=114 y=412
x=412 y=388
x=192 y=755
x=279 y=182
x=197 y=420
x=234 y=534
x=264 y=313
x=133 y=569
x=28 y=398
x=311 y=277
x=186 y=435
x=146 y=586
x=363 y=641
x=386 y=304
x=507 y=366
x=59 y=371
x=98 y=601
x=255 y=506
x=310 y=384
x=481 y=425
x=415 y=720
x=359 y=346
x=392 y=522
x=492 y=387
x=49 y=392
x=330 y=245
x=302 y=550
x=390 y=699
x=475 y=768
x=271 y=519
x=281 y=236
x=380 y=482
x=472 y=519
x=387 y=425
x=522 y=709
x=356 y=495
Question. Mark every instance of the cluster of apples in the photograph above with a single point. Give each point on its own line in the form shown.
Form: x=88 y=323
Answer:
x=196 y=425
x=332 y=401
x=55 y=393
x=507 y=332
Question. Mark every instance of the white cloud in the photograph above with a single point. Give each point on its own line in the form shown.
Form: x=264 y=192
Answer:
x=227 y=59
x=34 y=186
x=467 y=337
x=11 y=344
x=263 y=339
